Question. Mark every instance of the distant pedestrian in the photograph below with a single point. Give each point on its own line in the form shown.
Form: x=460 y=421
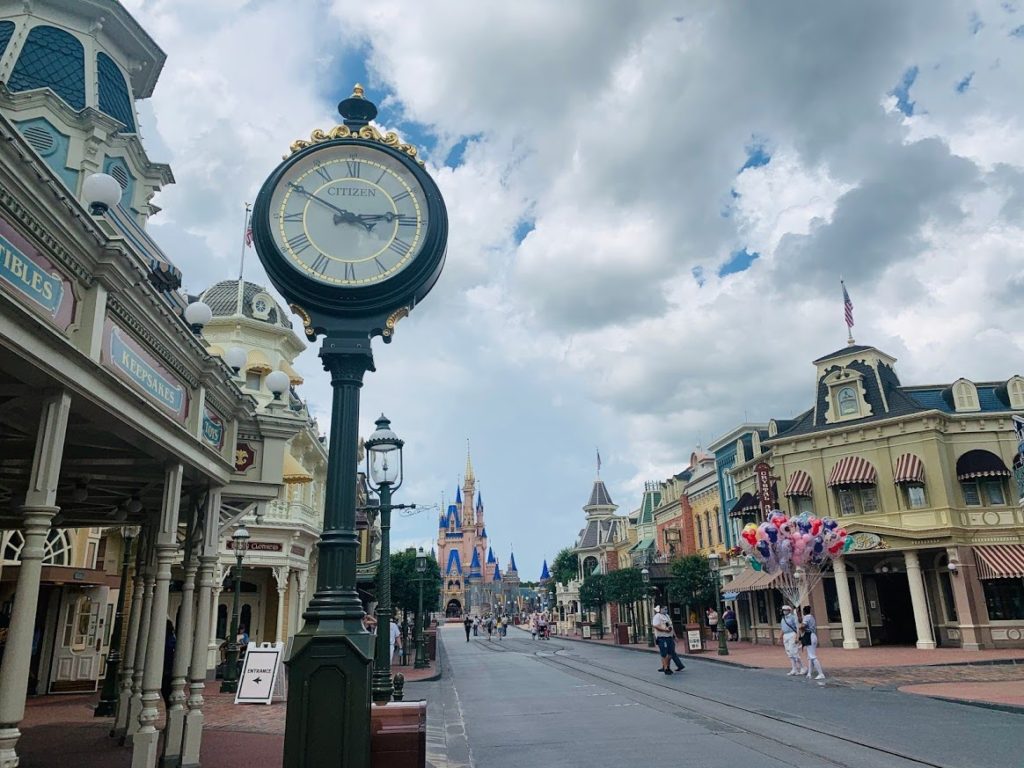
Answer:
x=499 y=626
x=533 y=626
x=665 y=638
x=789 y=626
x=476 y=626
x=396 y=638
x=713 y=623
x=809 y=641
x=542 y=627
x=468 y=624
x=731 y=626
x=489 y=625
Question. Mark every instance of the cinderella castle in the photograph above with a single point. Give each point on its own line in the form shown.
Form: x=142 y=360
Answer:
x=471 y=578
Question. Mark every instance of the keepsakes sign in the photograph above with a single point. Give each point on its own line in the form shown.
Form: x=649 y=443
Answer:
x=33 y=280
x=213 y=428
x=127 y=358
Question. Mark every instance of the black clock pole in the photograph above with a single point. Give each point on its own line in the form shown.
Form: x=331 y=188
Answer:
x=327 y=723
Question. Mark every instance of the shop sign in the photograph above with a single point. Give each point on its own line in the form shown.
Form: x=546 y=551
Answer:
x=31 y=276
x=131 y=362
x=259 y=546
x=245 y=457
x=213 y=428
x=862 y=541
x=763 y=473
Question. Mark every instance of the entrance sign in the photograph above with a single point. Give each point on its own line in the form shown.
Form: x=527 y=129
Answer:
x=586 y=631
x=262 y=664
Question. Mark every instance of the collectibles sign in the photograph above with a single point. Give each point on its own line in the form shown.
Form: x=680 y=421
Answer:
x=262 y=665
x=763 y=473
x=30 y=276
x=213 y=428
x=127 y=358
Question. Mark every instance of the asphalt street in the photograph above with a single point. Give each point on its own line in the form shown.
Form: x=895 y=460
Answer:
x=522 y=702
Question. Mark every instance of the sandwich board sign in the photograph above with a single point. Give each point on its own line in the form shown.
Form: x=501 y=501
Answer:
x=259 y=673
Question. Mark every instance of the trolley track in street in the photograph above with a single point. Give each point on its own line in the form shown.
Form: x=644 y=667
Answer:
x=726 y=718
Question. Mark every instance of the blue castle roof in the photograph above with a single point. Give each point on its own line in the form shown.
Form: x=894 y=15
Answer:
x=458 y=495
x=545 y=574
x=479 y=500
x=512 y=563
x=497 y=573
x=474 y=566
x=454 y=563
x=490 y=556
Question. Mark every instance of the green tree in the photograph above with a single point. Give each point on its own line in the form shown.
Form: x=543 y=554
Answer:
x=692 y=583
x=566 y=566
x=405 y=587
x=626 y=587
x=592 y=595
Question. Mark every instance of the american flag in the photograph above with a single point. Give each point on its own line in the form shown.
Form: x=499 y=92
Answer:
x=599 y=462
x=248 y=235
x=847 y=306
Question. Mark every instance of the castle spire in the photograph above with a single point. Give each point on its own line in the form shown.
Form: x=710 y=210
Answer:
x=470 y=476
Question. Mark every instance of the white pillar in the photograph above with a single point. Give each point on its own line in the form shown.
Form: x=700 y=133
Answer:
x=145 y=743
x=281 y=576
x=174 y=730
x=213 y=654
x=131 y=644
x=192 y=739
x=919 y=601
x=845 y=603
x=37 y=513
x=135 y=701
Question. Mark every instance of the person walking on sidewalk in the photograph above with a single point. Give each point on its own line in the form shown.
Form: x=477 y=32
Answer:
x=489 y=626
x=476 y=626
x=665 y=638
x=468 y=624
x=500 y=626
x=731 y=626
x=713 y=623
x=809 y=640
x=789 y=626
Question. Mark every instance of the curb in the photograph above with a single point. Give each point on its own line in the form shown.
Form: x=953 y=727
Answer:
x=1013 y=709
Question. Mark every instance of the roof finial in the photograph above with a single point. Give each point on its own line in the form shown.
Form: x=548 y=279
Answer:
x=356 y=110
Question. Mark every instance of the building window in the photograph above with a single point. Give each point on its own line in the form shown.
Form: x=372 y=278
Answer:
x=51 y=58
x=1004 y=599
x=803 y=504
x=857 y=499
x=252 y=380
x=718 y=525
x=700 y=534
x=983 y=492
x=707 y=527
x=848 y=405
x=113 y=92
x=56 y=548
x=916 y=498
x=832 y=600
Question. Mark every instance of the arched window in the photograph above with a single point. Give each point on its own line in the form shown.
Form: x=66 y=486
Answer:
x=847 y=398
x=56 y=549
x=51 y=58
x=114 y=97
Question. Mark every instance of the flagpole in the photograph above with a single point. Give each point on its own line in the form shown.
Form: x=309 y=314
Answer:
x=241 y=260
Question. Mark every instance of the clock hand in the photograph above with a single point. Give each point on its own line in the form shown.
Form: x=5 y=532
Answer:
x=351 y=218
x=340 y=215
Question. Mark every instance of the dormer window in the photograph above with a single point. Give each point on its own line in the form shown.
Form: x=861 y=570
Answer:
x=965 y=396
x=1015 y=389
x=847 y=399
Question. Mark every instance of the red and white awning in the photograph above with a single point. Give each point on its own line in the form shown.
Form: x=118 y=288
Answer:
x=852 y=470
x=909 y=469
x=1000 y=561
x=799 y=484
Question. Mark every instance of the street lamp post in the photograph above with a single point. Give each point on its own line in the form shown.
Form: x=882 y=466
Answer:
x=229 y=683
x=715 y=563
x=646 y=574
x=421 y=650
x=384 y=472
x=107 y=705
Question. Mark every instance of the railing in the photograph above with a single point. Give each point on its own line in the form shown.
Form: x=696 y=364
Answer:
x=294 y=511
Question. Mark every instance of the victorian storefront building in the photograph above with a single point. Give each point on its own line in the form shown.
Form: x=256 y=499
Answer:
x=920 y=477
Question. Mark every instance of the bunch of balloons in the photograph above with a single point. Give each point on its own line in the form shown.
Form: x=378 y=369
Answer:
x=783 y=544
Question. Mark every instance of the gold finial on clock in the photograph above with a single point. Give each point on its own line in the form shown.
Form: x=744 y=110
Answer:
x=357 y=91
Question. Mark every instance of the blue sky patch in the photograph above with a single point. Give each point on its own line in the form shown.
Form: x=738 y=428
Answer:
x=738 y=261
x=902 y=92
x=456 y=153
x=698 y=275
x=964 y=84
x=523 y=228
x=757 y=155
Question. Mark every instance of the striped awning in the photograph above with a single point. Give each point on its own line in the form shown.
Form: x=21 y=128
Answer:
x=852 y=470
x=979 y=463
x=1000 y=561
x=909 y=469
x=750 y=580
x=746 y=506
x=799 y=484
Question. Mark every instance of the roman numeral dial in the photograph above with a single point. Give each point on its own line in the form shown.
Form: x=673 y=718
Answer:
x=348 y=215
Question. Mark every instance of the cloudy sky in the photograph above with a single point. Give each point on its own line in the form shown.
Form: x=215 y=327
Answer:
x=651 y=206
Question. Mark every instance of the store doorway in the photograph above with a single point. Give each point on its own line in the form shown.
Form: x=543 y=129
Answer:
x=890 y=611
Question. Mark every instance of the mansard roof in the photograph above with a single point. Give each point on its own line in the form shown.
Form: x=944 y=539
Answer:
x=599 y=496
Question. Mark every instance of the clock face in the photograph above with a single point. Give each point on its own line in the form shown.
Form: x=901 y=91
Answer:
x=348 y=215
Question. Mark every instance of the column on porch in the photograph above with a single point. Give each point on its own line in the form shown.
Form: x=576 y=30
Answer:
x=174 y=730
x=149 y=579
x=131 y=643
x=213 y=649
x=37 y=512
x=301 y=580
x=922 y=622
x=968 y=597
x=192 y=738
x=145 y=742
x=845 y=603
x=281 y=575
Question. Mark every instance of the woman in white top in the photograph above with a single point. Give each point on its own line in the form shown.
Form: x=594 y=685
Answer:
x=809 y=625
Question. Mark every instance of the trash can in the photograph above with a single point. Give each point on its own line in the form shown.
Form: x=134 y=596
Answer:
x=621 y=635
